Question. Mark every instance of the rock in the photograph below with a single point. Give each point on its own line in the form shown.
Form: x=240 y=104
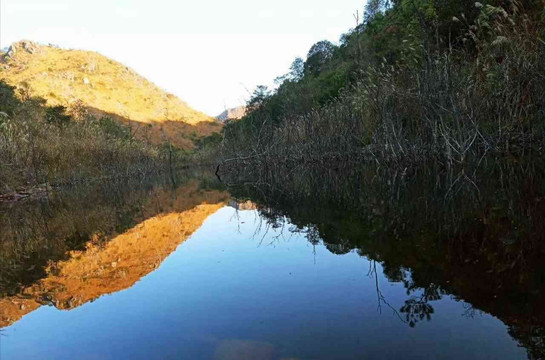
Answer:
x=24 y=45
x=90 y=67
x=12 y=51
x=30 y=47
x=86 y=81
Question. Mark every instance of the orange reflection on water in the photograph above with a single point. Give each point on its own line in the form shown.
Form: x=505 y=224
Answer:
x=105 y=267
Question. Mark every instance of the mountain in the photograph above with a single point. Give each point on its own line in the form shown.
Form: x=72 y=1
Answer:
x=80 y=79
x=232 y=114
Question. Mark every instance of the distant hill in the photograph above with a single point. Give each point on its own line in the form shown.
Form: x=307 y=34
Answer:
x=232 y=114
x=76 y=79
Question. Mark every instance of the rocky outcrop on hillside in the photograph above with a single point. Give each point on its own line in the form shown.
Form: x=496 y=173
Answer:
x=24 y=46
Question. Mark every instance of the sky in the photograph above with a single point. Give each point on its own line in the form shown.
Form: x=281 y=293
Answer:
x=210 y=53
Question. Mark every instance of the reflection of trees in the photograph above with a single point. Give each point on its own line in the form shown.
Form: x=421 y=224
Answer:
x=380 y=297
x=532 y=337
x=471 y=232
x=313 y=235
x=416 y=309
x=341 y=248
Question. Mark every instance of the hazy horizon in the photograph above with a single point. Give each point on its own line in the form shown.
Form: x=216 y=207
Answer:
x=210 y=54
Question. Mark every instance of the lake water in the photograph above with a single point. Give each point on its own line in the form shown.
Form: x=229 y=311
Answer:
x=193 y=271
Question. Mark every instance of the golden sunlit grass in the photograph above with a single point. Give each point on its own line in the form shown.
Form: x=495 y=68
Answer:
x=105 y=87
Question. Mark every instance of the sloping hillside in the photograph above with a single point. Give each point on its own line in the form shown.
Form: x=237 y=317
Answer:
x=81 y=79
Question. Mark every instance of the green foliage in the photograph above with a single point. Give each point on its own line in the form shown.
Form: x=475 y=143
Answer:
x=209 y=141
x=57 y=115
x=260 y=94
x=416 y=76
x=112 y=128
x=297 y=69
x=318 y=57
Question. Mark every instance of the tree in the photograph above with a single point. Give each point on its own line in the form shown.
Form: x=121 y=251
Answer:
x=295 y=74
x=297 y=69
x=57 y=115
x=260 y=94
x=373 y=8
x=318 y=55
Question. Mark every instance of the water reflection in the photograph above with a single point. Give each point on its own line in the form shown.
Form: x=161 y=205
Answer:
x=231 y=292
x=69 y=269
x=312 y=264
x=470 y=233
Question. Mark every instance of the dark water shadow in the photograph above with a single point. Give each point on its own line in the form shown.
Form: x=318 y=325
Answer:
x=472 y=232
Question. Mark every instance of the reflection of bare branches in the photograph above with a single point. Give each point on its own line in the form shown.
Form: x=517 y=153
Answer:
x=380 y=297
x=237 y=217
x=283 y=221
x=267 y=228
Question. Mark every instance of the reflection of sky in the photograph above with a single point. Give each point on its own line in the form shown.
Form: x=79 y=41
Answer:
x=206 y=52
x=227 y=290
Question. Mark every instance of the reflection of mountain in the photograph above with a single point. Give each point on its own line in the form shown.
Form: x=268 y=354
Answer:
x=244 y=205
x=107 y=266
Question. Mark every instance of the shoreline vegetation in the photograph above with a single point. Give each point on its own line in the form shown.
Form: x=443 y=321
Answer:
x=422 y=132
x=415 y=81
x=74 y=116
x=44 y=147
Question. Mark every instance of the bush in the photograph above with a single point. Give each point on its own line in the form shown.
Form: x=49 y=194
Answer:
x=43 y=144
x=411 y=93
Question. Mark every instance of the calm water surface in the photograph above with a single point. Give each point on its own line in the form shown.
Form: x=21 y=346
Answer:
x=187 y=272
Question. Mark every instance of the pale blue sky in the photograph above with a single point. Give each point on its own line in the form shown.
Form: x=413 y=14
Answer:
x=208 y=52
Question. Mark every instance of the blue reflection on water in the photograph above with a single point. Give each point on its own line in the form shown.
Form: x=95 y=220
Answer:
x=231 y=292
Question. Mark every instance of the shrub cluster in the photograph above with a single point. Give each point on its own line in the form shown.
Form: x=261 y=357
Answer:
x=416 y=80
x=40 y=144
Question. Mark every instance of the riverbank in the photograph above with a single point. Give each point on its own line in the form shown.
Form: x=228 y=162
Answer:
x=462 y=82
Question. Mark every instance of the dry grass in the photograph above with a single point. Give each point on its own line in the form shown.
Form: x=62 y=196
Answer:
x=33 y=151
